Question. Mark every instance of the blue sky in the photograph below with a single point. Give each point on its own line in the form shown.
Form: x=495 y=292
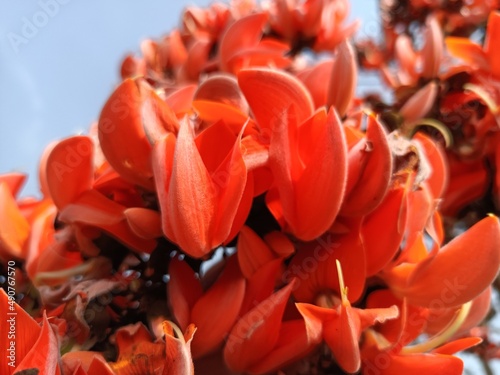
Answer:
x=58 y=64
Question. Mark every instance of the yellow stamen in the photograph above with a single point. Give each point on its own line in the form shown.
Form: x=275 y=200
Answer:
x=63 y=274
x=176 y=329
x=484 y=96
x=443 y=336
x=343 y=288
x=412 y=128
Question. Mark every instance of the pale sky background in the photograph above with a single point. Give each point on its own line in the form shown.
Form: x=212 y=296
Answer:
x=54 y=85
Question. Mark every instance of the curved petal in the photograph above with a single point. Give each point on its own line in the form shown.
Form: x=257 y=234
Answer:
x=439 y=318
x=245 y=32
x=178 y=351
x=93 y=208
x=132 y=108
x=261 y=285
x=432 y=52
x=343 y=80
x=212 y=111
x=493 y=34
x=187 y=211
x=253 y=252
x=314 y=266
x=297 y=338
x=197 y=59
x=458 y=345
x=257 y=332
x=411 y=364
x=270 y=93
x=14 y=181
x=450 y=276
x=70 y=169
x=184 y=289
x=407 y=326
x=26 y=334
x=14 y=228
x=438 y=180
x=466 y=50
x=145 y=223
x=83 y=363
x=314 y=79
x=180 y=100
x=44 y=355
x=309 y=167
x=383 y=229
x=215 y=313
x=370 y=169
x=420 y=103
x=234 y=193
x=222 y=88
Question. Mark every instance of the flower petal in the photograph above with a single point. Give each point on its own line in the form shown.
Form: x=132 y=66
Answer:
x=420 y=103
x=315 y=266
x=432 y=52
x=468 y=51
x=44 y=354
x=26 y=334
x=492 y=35
x=178 y=351
x=296 y=340
x=14 y=181
x=184 y=289
x=257 y=332
x=342 y=84
x=370 y=168
x=187 y=211
x=242 y=34
x=70 y=169
x=14 y=228
x=458 y=345
x=217 y=310
x=382 y=231
x=451 y=276
x=264 y=86
x=144 y=222
x=253 y=252
x=303 y=160
x=133 y=107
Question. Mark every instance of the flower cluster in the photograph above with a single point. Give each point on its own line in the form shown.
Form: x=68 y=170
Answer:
x=238 y=209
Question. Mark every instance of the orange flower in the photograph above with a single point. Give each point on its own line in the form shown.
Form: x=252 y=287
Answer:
x=447 y=274
x=14 y=227
x=213 y=311
x=133 y=108
x=204 y=195
x=261 y=341
x=69 y=175
x=28 y=345
x=137 y=354
x=488 y=57
x=343 y=325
